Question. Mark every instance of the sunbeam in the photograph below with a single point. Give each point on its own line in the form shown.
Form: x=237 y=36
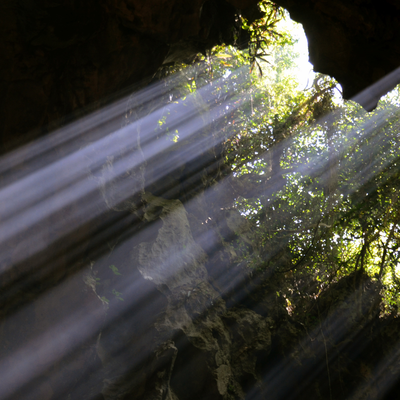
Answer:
x=139 y=203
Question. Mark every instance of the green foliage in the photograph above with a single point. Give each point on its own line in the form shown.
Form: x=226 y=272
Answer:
x=324 y=178
x=317 y=179
x=263 y=33
x=337 y=210
x=117 y=295
x=114 y=269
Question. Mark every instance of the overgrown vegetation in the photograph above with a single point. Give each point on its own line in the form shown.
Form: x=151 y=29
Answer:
x=316 y=178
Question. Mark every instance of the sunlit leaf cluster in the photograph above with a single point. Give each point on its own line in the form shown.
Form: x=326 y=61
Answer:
x=316 y=178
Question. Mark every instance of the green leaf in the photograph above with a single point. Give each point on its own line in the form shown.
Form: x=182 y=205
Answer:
x=114 y=269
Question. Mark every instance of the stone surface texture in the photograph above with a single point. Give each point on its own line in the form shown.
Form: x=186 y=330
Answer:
x=356 y=42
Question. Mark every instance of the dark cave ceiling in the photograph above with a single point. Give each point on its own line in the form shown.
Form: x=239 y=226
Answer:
x=58 y=57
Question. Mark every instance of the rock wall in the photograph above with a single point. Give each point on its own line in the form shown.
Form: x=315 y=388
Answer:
x=356 y=42
x=60 y=57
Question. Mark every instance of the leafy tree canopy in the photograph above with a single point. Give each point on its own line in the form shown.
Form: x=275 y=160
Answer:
x=316 y=178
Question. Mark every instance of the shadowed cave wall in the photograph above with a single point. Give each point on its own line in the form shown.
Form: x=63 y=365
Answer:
x=58 y=57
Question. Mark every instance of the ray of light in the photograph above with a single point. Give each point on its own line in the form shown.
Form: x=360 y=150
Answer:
x=370 y=96
x=21 y=367
x=58 y=189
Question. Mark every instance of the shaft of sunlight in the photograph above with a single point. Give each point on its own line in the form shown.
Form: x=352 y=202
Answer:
x=56 y=183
